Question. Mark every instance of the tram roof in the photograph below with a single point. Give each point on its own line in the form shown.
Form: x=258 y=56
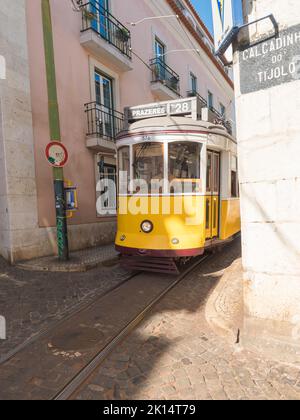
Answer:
x=172 y=124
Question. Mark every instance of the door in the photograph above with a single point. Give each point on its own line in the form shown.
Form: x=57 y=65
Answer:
x=160 y=51
x=104 y=100
x=100 y=23
x=212 y=195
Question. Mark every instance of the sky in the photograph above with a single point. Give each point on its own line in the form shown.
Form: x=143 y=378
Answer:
x=203 y=7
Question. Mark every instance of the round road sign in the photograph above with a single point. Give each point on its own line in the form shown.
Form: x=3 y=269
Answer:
x=56 y=154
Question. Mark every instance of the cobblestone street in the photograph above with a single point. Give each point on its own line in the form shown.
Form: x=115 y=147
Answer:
x=32 y=302
x=175 y=355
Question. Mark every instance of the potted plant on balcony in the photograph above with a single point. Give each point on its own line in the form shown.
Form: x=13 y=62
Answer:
x=89 y=15
x=122 y=34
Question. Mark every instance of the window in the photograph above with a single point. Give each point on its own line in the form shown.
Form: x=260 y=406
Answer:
x=180 y=5
x=210 y=100
x=107 y=174
x=194 y=83
x=234 y=177
x=216 y=184
x=124 y=169
x=209 y=173
x=222 y=110
x=160 y=50
x=213 y=172
x=200 y=32
x=148 y=162
x=184 y=166
x=104 y=100
x=104 y=90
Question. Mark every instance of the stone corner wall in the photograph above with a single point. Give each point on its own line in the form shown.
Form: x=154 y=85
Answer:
x=18 y=212
x=268 y=109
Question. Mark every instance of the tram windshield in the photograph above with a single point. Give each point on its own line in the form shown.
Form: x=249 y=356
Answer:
x=184 y=167
x=148 y=165
x=148 y=162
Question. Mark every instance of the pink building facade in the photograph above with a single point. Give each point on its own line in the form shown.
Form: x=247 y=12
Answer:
x=103 y=64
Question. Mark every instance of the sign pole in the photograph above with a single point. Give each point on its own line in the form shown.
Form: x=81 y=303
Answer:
x=55 y=135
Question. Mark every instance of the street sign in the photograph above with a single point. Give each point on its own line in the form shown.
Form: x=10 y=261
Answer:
x=271 y=62
x=183 y=107
x=56 y=154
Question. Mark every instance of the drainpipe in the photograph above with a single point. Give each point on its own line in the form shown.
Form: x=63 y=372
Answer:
x=55 y=135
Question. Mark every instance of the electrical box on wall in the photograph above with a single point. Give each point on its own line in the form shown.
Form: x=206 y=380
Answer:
x=71 y=197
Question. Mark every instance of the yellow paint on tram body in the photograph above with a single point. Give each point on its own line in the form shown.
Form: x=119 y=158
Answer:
x=181 y=218
x=230 y=218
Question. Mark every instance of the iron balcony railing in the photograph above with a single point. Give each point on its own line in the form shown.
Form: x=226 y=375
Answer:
x=192 y=93
x=164 y=74
x=221 y=119
x=103 y=122
x=98 y=19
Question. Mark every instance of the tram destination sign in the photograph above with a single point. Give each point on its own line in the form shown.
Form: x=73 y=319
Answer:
x=270 y=63
x=187 y=106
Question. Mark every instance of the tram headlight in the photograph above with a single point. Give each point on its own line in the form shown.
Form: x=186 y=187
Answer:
x=147 y=226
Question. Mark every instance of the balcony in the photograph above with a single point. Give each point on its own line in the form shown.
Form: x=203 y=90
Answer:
x=105 y=37
x=209 y=113
x=103 y=125
x=165 y=83
x=221 y=119
x=192 y=94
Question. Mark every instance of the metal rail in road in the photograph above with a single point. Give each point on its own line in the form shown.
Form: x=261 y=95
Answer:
x=69 y=391
x=60 y=359
x=71 y=312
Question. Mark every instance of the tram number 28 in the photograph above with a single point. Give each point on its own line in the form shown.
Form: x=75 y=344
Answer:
x=181 y=107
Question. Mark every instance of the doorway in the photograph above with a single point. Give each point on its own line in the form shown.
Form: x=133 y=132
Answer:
x=100 y=9
x=212 y=195
x=104 y=100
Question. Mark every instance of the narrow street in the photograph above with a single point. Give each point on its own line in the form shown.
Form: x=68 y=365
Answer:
x=149 y=202
x=172 y=354
x=32 y=302
x=175 y=355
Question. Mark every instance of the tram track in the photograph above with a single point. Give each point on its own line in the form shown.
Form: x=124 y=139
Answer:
x=55 y=364
x=70 y=390
x=74 y=310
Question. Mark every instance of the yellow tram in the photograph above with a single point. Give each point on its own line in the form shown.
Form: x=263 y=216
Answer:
x=178 y=185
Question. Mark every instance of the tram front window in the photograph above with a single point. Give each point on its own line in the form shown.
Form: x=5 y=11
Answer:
x=148 y=163
x=184 y=167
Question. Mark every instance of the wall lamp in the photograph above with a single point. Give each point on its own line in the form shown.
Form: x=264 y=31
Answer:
x=231 y=36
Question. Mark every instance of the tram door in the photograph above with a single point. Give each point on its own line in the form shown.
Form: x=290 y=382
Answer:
x=212 y=194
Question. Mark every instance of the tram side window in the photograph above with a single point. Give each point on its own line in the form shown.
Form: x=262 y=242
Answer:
x=234 y=178
x=184 y=167
x=124 y=169
x=148 y=163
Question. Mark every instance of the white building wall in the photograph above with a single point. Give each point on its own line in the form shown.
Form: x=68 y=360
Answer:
x=18 y=205
x=269 y=148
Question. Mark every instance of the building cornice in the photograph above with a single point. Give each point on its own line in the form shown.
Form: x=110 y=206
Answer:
x=204 y=47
